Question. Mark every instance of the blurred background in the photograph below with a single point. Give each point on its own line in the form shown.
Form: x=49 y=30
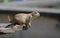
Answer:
x=43 y=27
x=32 y=3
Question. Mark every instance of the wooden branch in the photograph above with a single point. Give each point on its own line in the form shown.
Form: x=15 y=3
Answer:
x=11 y=30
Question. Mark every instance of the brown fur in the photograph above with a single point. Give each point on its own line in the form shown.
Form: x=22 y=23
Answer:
x=22 y=18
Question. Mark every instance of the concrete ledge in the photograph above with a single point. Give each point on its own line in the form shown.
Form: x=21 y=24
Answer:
x=28 y=9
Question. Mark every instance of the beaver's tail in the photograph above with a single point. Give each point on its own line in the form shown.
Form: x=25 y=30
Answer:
x=10 y=17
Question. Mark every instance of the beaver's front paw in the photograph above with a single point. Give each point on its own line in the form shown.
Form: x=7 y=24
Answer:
x=25 y=28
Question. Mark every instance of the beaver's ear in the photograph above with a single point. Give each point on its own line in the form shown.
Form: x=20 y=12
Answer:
x=35 y=11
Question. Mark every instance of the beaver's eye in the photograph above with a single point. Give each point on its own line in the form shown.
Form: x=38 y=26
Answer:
x=35 y=13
